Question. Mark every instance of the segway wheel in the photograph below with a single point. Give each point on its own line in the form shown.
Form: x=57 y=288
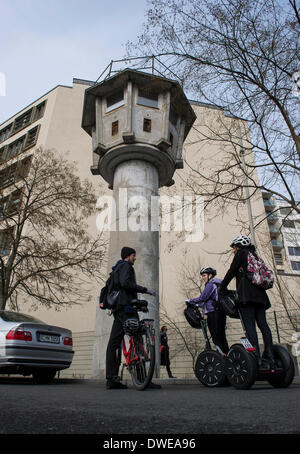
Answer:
x=284 y=362
x=241 y=367
x=210 y=369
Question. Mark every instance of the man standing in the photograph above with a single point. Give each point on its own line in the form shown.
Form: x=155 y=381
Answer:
x=124 y=280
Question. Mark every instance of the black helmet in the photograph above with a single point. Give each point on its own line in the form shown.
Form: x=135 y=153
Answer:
x=208 y=270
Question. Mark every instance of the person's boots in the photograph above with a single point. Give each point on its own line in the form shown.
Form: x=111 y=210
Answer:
x=115 y=383
x=269 y=356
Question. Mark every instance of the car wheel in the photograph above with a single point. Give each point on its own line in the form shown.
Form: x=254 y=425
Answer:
x=43 y=377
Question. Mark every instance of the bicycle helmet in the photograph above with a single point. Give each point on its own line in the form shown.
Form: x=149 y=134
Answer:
x=208 y=270
x=131 y=326
x=241 y=240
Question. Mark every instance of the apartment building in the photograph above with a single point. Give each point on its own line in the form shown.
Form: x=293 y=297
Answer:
x=284 y=227
x=54 y=122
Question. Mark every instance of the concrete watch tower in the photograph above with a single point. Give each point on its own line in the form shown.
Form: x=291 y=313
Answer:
x=138 y=123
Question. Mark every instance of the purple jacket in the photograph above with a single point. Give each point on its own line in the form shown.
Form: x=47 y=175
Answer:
x=208 y=296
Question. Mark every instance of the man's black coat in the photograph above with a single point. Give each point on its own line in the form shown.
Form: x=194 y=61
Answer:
x=125 y=281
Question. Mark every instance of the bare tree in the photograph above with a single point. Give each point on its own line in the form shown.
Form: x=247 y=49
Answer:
x=47 y=254
x=238 y=56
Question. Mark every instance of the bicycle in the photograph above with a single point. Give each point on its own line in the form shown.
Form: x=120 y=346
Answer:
x=140 y=355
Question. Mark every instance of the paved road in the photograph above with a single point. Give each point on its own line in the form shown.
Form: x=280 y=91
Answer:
x=88 y=408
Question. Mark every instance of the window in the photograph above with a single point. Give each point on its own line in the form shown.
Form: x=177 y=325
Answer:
x=5 y=133
x=114 y=128
x=39 y=111
x=295 y=265
x=7 y=176
x=147 y=125
x=2 y=154
x=15 y=172
x=115 y=100
x=23 y=168
x=31 y=137
x=14 y=202
x=22 y=121
x=3 y=207
x=147 y=98
x=6 y=239
x=294 y=250
x=278 y=259
x=15 y=148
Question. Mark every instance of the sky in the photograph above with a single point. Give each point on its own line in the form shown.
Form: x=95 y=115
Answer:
x=44 y=43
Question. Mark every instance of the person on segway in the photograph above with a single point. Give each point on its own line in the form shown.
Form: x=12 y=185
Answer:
x=253 y=300
x=208 y=300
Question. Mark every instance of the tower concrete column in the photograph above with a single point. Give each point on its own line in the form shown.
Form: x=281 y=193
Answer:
x=135 y=189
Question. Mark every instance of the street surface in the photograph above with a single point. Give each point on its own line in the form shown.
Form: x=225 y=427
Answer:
x=71 y=407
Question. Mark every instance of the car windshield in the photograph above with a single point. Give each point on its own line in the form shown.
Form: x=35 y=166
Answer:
x=9 y=316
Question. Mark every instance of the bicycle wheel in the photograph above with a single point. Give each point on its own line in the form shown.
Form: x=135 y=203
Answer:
x=143 y=360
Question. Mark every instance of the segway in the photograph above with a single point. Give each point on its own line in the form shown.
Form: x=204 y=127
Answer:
x=243 y=370
x=210 y=367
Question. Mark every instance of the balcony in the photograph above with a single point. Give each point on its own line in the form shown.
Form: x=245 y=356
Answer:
x=269 y=205
x=274 y=231
x=272 y=218
x=277 y=245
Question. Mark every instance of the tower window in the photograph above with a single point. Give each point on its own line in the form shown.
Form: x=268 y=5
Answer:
x=147 y=98
x=114 y=128
x=115 y=100
x=147 y=125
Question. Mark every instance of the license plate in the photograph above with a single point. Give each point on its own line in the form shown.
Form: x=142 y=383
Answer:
x=48 y=338
x=246 y=343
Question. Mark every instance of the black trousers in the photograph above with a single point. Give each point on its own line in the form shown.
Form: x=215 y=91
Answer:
x=216 y=322
x=113 y=351
x=252 y=314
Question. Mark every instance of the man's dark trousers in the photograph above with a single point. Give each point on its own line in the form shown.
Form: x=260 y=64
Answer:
x=113 y=356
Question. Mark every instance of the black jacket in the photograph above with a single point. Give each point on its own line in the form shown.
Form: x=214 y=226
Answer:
x=125 y=281
x=164 y=339
x=248 y=293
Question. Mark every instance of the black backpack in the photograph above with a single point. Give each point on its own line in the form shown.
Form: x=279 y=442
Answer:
x=193 y=316
x=108 y=296
x=229 y=302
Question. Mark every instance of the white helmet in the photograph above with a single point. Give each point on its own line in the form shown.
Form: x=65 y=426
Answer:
x=241 y=240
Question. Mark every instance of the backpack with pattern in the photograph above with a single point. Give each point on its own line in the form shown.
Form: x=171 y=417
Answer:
x=258 y=273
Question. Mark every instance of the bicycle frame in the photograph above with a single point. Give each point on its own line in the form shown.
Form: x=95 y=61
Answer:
x=127 y=353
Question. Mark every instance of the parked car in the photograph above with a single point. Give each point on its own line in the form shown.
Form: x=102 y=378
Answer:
x=29 y=346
